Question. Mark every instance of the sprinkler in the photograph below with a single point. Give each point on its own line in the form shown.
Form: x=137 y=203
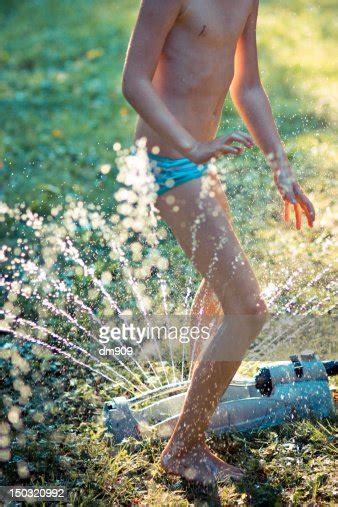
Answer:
x=279 y=393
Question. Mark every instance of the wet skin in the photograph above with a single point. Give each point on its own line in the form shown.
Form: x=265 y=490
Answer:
x=183 y=58
x=196 y=68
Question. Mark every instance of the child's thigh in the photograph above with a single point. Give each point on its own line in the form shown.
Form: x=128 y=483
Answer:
x=217 y=190
x=202 y=227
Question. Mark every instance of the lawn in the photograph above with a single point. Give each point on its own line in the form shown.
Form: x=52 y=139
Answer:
x=62 y=112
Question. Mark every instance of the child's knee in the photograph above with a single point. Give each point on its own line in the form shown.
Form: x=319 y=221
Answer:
x=249 y=302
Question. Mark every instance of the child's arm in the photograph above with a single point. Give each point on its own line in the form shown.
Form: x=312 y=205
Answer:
x=253 y=105
x=156 y=19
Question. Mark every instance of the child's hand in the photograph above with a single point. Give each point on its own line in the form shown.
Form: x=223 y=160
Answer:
x=203 y=152
x=292 y=194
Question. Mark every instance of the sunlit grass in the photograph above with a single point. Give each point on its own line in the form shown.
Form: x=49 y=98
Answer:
x=61 y=111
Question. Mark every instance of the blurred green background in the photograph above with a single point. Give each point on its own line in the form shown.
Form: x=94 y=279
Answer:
x=61 y=111
x=62 y=107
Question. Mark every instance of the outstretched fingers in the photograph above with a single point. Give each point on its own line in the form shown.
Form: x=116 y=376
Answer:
x=297 y=210
x=306 y=205
x=298 y=216
x=286 y=211
x=300 y=203
x=240 y=137
x=230 y=150
x=235 y=137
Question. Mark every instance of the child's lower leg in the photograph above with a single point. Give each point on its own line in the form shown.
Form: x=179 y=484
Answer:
x=207 y=309
x=211 y=377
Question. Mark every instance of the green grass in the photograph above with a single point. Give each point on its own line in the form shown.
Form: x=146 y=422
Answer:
x=64 y=443
x=62 y=111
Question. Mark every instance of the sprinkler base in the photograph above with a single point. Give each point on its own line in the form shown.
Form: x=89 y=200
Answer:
x=279 y=393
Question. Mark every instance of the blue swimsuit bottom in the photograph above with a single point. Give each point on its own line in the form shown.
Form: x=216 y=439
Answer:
x=170 y=173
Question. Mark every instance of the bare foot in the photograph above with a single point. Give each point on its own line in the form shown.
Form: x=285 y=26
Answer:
x=199 y=465
x=225 y=471
x=193 y=465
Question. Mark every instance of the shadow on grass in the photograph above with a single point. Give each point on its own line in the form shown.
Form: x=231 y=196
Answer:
x=255 y=489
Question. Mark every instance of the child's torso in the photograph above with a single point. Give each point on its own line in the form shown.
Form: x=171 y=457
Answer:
x=197 y=65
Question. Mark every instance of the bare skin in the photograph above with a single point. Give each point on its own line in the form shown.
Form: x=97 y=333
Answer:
x=184 y=57
x=233 y=283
